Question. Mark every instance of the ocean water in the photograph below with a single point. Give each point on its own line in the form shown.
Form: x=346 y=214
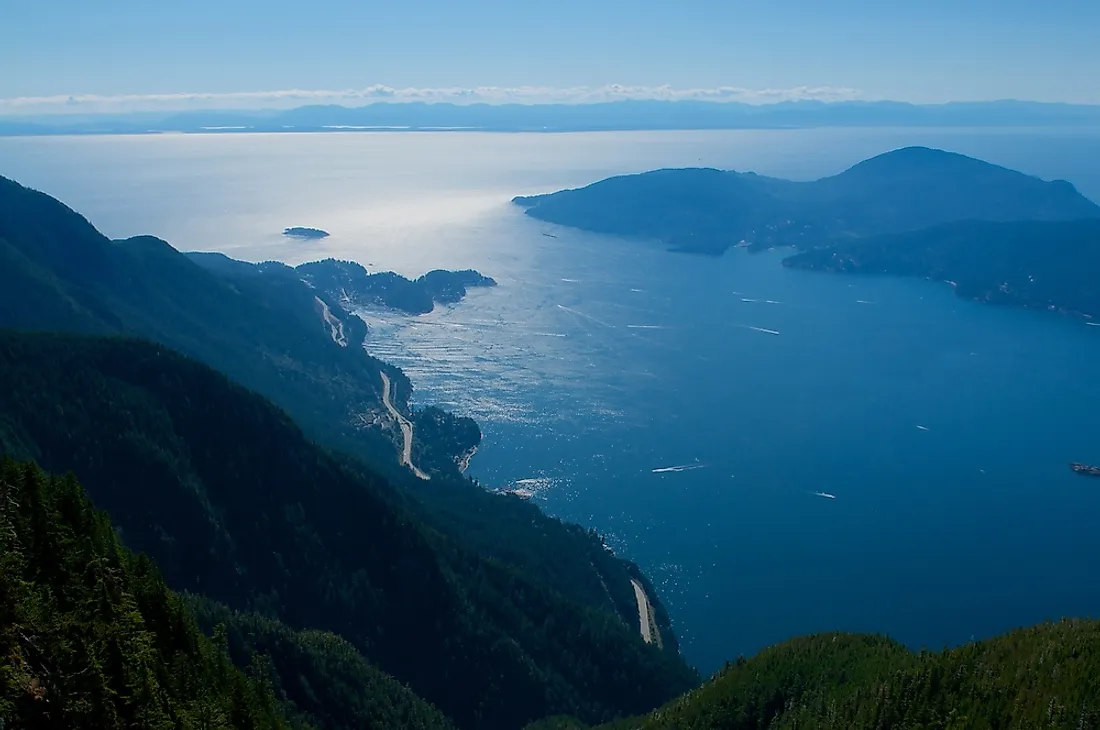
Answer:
x=688 y=408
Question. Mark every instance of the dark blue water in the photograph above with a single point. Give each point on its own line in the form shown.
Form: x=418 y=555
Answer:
x=597 y=361
x=935 y=536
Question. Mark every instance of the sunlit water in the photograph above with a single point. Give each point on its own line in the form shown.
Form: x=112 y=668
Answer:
x=942 y=427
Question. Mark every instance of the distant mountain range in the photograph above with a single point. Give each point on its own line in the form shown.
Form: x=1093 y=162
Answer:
x=617 y=115
x=1002 y=236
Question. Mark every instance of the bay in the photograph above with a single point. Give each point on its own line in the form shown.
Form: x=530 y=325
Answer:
x=689 y=408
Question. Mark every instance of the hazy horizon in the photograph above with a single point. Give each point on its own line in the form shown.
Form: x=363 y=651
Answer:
x=137 y=56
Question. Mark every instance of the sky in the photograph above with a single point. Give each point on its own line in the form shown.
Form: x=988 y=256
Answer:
x=72 y=55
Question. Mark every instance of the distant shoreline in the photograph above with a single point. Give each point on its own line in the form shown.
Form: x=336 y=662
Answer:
x=611 y=116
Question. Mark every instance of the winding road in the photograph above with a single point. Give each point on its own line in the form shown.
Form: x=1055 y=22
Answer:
x=406 y=428
x=645 y=614
x=336 y=327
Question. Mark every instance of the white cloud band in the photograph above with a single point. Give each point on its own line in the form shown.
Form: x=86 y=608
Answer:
x=287 y=98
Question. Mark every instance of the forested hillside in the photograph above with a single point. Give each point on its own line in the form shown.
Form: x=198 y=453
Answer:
x=90 y=637
x=1046 y=676
x=233 y=502
x=323 y=680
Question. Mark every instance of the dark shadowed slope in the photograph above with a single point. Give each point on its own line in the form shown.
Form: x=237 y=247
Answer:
x=322 y=679
x=1043 y=265
x=60 y=273
x=707 y=211
x=233 y=502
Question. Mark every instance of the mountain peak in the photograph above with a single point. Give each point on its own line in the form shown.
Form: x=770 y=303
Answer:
x=926 y=160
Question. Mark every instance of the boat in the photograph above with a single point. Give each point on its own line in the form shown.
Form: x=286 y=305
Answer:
x=1087 y=470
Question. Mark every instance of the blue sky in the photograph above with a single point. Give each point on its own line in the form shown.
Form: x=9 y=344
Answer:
x=917 y=50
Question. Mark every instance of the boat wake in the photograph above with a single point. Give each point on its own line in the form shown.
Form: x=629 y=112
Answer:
x=645 y=326
x=765 y=330
x=825 y=495
x=586 y=316
x=923 y=428
x=677 y=469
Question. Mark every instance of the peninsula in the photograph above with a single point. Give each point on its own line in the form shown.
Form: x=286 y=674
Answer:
x=353 y=284
x=350 y=285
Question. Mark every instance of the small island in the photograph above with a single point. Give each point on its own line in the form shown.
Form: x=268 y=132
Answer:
x=302 y=232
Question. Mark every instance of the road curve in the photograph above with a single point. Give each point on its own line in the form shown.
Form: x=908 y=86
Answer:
x=406 y=428
x=645 y=614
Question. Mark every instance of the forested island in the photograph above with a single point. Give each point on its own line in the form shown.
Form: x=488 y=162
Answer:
x=997 y=235
x=303 y=232
x=707 y=211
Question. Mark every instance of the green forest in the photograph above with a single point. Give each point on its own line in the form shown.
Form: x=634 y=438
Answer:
x=1045 y=676
x=90 y=635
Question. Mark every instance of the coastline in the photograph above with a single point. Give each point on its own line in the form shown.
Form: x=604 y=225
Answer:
x=463 y=461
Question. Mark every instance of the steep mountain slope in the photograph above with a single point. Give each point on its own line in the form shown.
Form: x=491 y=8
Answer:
x=707 y=211
x=90 y=637
x=1044 y=676
x=60 y=273
x=323 y=680
x=225 y=493
x=1043 y=265
x=263 y=327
